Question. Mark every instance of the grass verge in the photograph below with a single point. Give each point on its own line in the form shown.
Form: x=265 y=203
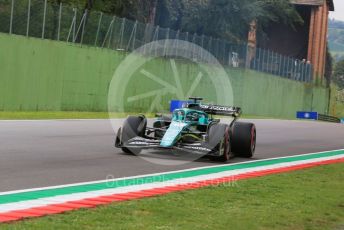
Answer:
x=305 y=199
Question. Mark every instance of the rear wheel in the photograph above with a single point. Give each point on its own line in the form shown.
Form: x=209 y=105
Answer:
x=133 y=126
x=243 y=139
x=219 y=140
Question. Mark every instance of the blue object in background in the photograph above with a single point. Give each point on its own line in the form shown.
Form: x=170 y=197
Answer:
x=307 y=115
x=177 y=104
x=342 y=120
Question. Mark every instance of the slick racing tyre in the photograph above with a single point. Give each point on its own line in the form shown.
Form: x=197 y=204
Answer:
x=243 y=139
x=133 y=126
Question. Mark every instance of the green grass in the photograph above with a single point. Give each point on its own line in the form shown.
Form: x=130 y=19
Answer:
x=40 y=115
x=306 y=199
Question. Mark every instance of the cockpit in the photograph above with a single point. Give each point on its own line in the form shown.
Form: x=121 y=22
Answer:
x=190 y=116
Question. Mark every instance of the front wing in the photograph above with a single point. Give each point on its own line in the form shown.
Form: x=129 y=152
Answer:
x=144 y=143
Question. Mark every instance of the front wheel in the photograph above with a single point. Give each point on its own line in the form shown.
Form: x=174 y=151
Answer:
x=133 y=126
x=243 y=139
x=219 y=141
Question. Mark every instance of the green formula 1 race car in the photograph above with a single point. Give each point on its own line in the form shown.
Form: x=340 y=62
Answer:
x=191 y=128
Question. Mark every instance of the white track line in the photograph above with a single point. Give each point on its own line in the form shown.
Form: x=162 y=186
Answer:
x=156 y=174
x=131 y=188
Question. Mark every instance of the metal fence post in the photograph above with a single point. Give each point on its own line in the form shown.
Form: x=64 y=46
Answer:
x=145 y=39
x=132 y=37
x=74 y=24
x=224 y=57
x=297 y=69
x=176 y=41
x=247 y=64
x=280 y=65
x=209 y=46
x=290 y=70
x=108 y=31
x=283 y=67
x=59 y=24
x=121 y=33
x=44 y=15
x=263 y=61
x=215 y=46
x=310 y=72
x=28 y=19
x=294 y=69
x=83 y=27
x=272 y=62
x=302 y=71
x=187 y=44
x=254 y=59
x=79 y=27
x=111 y=31
x=229 y=58
x=259 y=59
x=268 y=62
x=98 y=29
x=165 y=43
x=11 y=19
x=193 y=47
x=202 y=45
x=156 y=37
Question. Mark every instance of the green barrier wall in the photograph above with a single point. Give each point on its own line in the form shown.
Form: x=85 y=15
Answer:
x=48 y=75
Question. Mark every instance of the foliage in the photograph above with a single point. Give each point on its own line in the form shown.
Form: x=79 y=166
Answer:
x=338 y=75
x=225 y=19
x=328 y=66
x=336 y=39
x=336 y=101
x=218 y=18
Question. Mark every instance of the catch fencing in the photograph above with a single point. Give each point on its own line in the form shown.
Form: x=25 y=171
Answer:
x=42 y=19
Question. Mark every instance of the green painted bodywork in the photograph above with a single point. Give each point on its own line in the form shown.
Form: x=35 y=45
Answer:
x=172 y=133
x=180 y=123
x=44 y=75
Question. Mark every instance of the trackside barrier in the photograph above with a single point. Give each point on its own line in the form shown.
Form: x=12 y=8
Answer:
x=322 y=117
x=317 y=116
x=49 y=20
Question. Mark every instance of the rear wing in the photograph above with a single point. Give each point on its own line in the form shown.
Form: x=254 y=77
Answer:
x=221 y=110
x=208 y=108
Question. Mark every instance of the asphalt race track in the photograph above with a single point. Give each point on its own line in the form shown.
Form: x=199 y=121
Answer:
x=47 y=153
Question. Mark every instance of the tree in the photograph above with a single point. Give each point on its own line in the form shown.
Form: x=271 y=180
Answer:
x=227 y=19
x=328 y=67
x=338 y=75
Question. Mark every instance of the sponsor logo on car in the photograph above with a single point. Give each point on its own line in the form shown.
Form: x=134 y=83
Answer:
x=218 y=108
